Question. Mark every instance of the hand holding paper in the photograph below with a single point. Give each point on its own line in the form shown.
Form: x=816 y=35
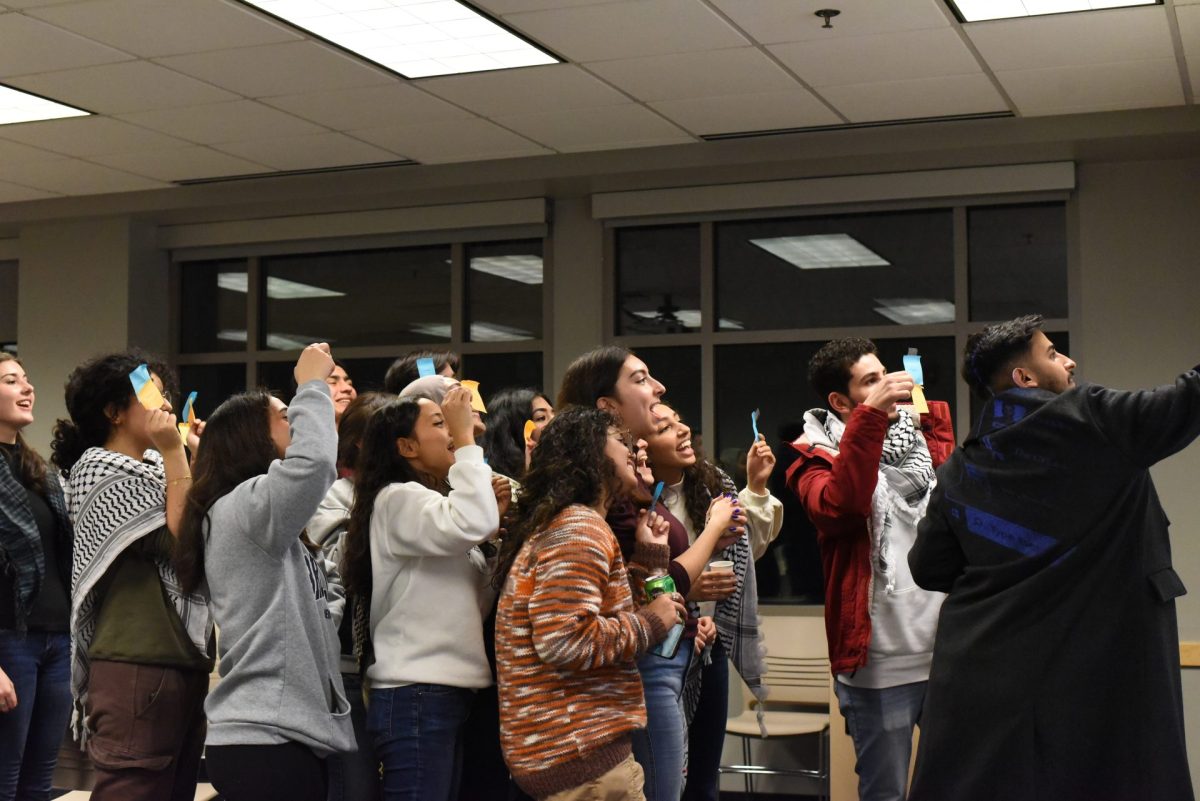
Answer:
x=476 y=398
x=148 y=393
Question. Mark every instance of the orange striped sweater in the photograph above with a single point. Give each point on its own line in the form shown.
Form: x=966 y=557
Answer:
x=567 y=637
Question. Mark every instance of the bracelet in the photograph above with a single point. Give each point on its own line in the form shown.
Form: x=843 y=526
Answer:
x=177 y=480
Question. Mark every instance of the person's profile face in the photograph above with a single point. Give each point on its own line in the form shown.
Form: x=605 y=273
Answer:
x=636 y=392
x=1050 y=369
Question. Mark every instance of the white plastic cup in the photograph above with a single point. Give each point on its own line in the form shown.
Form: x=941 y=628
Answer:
x=720 y=566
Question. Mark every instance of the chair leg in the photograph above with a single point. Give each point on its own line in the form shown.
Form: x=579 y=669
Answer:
x=746 y=761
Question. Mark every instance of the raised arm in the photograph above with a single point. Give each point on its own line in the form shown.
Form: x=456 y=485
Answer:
x=1150 y=425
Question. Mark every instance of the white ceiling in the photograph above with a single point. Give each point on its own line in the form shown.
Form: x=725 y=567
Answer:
x=194 y=89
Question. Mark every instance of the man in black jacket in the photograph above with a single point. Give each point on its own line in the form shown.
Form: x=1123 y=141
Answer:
x=1056 y=666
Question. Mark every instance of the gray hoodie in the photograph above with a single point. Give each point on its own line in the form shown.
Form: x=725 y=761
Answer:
x=278 y=643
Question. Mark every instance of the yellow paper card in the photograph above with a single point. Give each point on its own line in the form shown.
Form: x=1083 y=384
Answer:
x=918 y=400
x=530 y=427
x=476 y=398
x=184 y=430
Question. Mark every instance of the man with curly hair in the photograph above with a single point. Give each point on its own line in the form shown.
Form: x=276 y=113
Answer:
x=864 y=474
x=1056 y=668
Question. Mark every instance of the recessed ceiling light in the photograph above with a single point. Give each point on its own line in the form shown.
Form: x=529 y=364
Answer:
x=526 y=269
x=416 y=38
x=17 y=106
x=915 y=311
x=821 y=251
x=277 y=288
x=980 y=10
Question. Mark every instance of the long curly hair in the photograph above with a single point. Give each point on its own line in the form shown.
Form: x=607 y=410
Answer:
x=236 y=446
x=379 y=464
x=95 y=390
x=568 y=466
x=31 y=467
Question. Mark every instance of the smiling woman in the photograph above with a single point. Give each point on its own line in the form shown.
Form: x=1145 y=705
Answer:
x=35 y=577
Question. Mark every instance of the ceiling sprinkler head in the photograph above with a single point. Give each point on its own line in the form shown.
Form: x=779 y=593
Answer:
x=827 y=14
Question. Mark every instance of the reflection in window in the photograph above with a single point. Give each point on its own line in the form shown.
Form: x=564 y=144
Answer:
x=835 y=271
x=658 y=279
x=504 y=291
x=1018 y=261
x=212 y=308
x=358 y=298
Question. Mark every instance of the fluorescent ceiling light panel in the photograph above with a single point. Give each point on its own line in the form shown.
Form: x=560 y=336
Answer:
x=690 y=318
x=17 y=106
x=274 y=341
x=416 y=38
x=524 y=269
x=480 y=332
x=915 y=311
x=277 y=288
x=821 y=251
x=980 y=10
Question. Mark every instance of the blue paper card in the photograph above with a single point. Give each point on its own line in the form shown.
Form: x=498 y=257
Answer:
x=658 y=490
x=425 y=367
x=188 y=414
x=754 y=423
x=912 y=364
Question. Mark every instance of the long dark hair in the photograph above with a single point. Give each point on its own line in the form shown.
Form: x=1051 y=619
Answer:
x=592 y=376
x=379 y=464
x=236 y=446
x=504 y=440
x=568 y=466
x=31 y=467
x=354 y=423
x=702 y=482
x=95 y=390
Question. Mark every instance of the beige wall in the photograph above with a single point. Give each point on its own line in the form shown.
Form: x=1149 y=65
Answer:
x=91 y=276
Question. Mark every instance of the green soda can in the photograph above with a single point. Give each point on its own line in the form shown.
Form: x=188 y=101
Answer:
x=655 y=586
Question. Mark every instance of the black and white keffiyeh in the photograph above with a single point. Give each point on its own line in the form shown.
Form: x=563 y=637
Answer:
x=114 y=501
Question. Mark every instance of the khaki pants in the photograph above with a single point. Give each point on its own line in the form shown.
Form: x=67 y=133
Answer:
x=149 y=731
x=622 y=783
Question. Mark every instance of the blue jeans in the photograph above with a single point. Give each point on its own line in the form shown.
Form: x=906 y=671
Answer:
x=881 y=724
x=354 y=776
x=418 y=736
x=661 y=748
x=39 y=666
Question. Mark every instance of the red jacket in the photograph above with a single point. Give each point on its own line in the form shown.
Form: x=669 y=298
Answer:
x=836 y=490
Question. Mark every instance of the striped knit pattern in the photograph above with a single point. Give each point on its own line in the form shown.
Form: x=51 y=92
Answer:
x=567 y=638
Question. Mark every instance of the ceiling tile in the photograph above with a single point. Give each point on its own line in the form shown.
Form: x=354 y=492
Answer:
x=628 y=30
x=464 y=140
x=500 y=7
x=880 y=57
x=74 y=177
x=117 y=88
x=915 y=99
x=12 y=193
x=1189 y=31
x=30 y=45
x=767 y=111
x=630 y=125
x=713 y=73
x=14 y=151
x=279 y=69
x=309 y=152
x=530 y=90
x=239 y=121
x=150 y=28
x=1062 y=40
x=1094 y=87
x=88 y=136
x=391 y=104
x=774 y=21
x=181 y=164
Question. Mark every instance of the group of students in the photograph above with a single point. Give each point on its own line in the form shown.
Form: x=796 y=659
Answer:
x=408 y=599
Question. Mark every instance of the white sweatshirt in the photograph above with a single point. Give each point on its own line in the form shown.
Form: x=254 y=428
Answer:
x=431 y=584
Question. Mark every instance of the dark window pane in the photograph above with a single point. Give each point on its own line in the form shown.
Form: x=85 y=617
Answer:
x=277 y=377
x=845 y=270
x=504 y=291
x=8 y=306
x=658 y=279
x=369 y=297
x=212 y=309
x=678 y=369
x=1062 y=342
x=497 y=371
x=212 y=383
x=1018 y=261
